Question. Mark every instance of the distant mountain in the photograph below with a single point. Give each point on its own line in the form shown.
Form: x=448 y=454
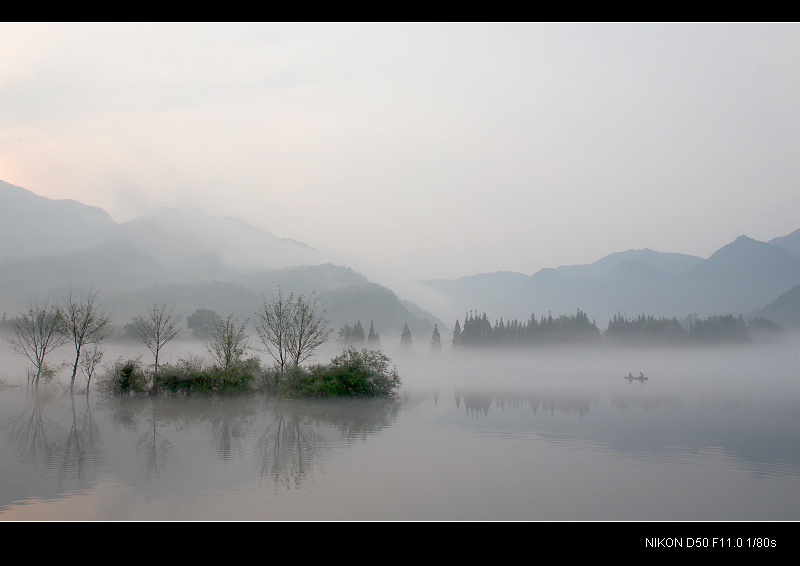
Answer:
x=182 y=257
x=343 y=305
x=347 y=296
x=785 y=309
x=303 y=279
x=201 y=246
x=790 y=243
x=741 y=276
x=671 y=263
x=193 y=244
x=31 y=225
x=748 y=257
x=111 y=267
x=224 y=297
x=373 y=302
x=487 y=291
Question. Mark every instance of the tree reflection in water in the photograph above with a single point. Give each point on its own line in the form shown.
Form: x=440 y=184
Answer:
x=293 y=444
x=287 y=439
x=289 y=449
x=61 y=441
x=71 y=452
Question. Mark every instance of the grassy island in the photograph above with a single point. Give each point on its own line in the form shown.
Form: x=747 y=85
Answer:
x=353 y=373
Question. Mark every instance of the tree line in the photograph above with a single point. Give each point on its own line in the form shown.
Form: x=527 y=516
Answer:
x=290 y=328
x=564 y=329
x=575 y=329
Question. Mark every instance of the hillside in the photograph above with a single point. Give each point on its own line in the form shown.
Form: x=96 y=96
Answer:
x=785 y=309
x=31 y=225
x=183 y=257
x=738 y=278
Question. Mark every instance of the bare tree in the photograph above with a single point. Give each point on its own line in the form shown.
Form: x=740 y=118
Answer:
x=37 y=333
x=291 y=329
x=309 y=330
x=228 y=342
x=90 y=360
x=156 y=328
x=85 y=321
x=273 y=326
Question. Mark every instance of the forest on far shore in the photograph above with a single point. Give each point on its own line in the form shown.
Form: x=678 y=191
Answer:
x=577 y=329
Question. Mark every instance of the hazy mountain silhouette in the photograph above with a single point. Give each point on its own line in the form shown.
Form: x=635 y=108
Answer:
x=111 y=266
x=31 y=225
x=342 y=305
x=194 y=245
x=487 y=291
x=671 y=263
x=790 y=243
x=49 y=245
x=739 y=277
x=303 y=279
x=183 y=257
x=785 y=309
x=202 y=246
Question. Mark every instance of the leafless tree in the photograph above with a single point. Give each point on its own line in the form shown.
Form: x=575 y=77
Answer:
x=90 y=360
x=309 y=329
x=156 y=328
x=228 y=342
x=273 y=327
x=85 y=322
x=38 y=332
x=291 y=329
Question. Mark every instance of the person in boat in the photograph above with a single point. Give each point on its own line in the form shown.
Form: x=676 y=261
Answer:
x=641 y=375
x=630 y=375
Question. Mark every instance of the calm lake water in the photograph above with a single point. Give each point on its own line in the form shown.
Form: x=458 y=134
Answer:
x=557 y=435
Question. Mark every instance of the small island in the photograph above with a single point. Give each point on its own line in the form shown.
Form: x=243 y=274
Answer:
x=291 y=329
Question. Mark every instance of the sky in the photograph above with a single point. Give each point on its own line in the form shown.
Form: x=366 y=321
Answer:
x=422 y=150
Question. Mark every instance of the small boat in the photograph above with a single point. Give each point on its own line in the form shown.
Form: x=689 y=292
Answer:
x=641 y=378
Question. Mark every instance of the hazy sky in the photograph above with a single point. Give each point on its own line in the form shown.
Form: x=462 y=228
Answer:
x=434 y=150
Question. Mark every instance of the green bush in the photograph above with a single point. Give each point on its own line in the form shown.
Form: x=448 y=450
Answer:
x=353 y=373
x=193 y=376
x=124 y=377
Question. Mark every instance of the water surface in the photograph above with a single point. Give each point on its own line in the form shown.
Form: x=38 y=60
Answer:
x=543 y=436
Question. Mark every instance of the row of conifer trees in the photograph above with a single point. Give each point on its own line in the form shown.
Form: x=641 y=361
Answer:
x=569 y=329
x=354 y=335
x=578 y=329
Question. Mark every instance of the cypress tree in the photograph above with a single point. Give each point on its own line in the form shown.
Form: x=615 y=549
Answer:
x=358 y=334
x=405 y=338
x=436 y=340
x=457 y=335
x=373 y=339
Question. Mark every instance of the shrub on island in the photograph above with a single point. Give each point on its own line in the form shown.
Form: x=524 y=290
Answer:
x=353 y=373
x=193 y=376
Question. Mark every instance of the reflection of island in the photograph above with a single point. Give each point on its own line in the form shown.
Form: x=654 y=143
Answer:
x=650 y=403
x=52 y=444
x=648 y=425
x=292 y=445
x=287 y=438
x=478 y=402
x=68 y=449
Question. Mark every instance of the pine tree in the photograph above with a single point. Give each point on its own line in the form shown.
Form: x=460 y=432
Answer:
x=457 y=335
x=374 y=339
x=436 y=340
x=358 y=334
x=405 y=338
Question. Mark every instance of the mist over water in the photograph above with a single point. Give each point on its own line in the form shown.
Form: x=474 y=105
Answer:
x=545 y=434
x=399 y=180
